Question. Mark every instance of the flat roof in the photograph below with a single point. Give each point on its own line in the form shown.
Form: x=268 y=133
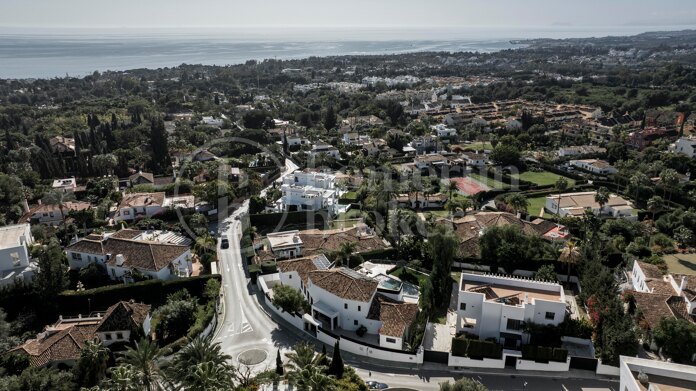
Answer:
x=510 y=294
x=10 y=235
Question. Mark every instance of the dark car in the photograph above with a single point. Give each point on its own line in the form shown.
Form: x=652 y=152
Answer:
x=374 y=385
x=224 y=243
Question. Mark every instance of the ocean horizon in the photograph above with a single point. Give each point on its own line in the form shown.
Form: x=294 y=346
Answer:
x=47 y=53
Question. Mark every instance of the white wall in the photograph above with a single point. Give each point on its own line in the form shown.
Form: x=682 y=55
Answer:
x=371 y=352
x=356 y=311
x=551 y=366
x=607 y=370
x=454 y=361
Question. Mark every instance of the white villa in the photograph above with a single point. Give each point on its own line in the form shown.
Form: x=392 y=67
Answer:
x=575 y=205
x=309 y=190
x=443 y=131
x=15 y=264
x=126 y=252
x=344 y=301
x=640 y=374
x=492 y=306
x=595 y=166
x=685 y=146
x=136 y=205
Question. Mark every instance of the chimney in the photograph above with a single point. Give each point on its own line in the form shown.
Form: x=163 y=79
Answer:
x=682 y=286
x=120 y=260
x=25 y=205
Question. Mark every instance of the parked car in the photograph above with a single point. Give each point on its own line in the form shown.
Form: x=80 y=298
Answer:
x=224 y=243
x=375 y=385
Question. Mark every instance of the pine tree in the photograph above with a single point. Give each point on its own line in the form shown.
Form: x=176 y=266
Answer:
x=279 y=365
x=336 y=367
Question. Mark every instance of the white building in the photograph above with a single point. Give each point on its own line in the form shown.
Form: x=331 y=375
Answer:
x=575 y=205
x=639 y=374
x=353 y=138
x=15 y=264
x=309 y=190
x=685 y=146
x=580 y=150
x=51 y=214
x=443 y=131
x=285 y=244
x=323 y=148
x=128 y=252
x=473 y=159
x=595 y=166
x=492 y=306
x=345 y=301
x=214 y=121
x=138 y=205
x=66 y=185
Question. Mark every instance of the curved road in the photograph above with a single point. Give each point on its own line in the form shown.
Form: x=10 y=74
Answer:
x=246 y=326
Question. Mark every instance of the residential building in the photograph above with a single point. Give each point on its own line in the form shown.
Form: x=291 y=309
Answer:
x=62 y=145
x=353 y=138
x=473 y=159
x=15 y=263
x=141 y=178
x=442 y=131
x=139 y=205
x=640 y=374
x=53 y=214
x=433 y=160
x=595 y=166
x=214 y=121
x=324 y=148
x=66 y=185
x=62 y=343
x=581 y=150
x=420 y=200
x=494 y=306
x=127 y=253
x=424 y=144
x=311 y=178
x=309 y=190
x=575 y=205
x=685 y=146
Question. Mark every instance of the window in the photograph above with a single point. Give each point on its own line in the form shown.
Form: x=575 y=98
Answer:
x=355 y=322
x=345 y=306
x=514 y=324
x=108 y=336
x=119 y=335
x=550 y=315
x=290 y=276
x=358 y=308
x=462 y=306
x=15 y=259
x=391 y=340
x=74 y=256
x=126 y=213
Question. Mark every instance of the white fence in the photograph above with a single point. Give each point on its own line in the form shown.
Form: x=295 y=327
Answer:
x=607 y=369
x=551 y=366
x=371 y=351
x=456 y=361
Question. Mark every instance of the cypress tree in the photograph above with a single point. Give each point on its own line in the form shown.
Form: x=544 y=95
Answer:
x=336 y=367
x=324 y=358
x=279 y=365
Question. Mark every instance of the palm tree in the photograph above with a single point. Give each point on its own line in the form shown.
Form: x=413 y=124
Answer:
x=143 y=360
x=345 y=253
x=601 y=197
x=518 y=202
x=669 y=178
x=59 y=199
x=637 y=181
x=560 y=185
x=655 y=204
x=451 y=188
x=208 y=376
x=91 y=367
x=312 y=378
x=570 y=255
x=123 y=378
x=303 y=355
x=185 y=369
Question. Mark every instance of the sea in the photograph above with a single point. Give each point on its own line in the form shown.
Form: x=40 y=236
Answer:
x=47 y=53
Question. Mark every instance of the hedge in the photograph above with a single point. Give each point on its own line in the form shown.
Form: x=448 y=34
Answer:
x=152 y=292
x=268 y=221
x=475 y=349
x=544 y=354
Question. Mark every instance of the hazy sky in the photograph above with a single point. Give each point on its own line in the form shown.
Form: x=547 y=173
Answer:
x=364 y=13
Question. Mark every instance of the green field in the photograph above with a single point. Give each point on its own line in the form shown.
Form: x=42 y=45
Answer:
x=543 y=178
x=681 y=263
x=479 y=146
x=492 y=183
x=536 y=204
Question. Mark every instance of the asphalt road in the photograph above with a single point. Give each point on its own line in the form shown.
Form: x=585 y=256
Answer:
x=245 y=326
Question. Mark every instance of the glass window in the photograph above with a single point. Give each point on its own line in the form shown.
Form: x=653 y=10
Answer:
x=391 y=340
x=462 y=306
x=345 y=306
x=550 y=315
x=15 y=259
x=355 y=322
x=514 y=324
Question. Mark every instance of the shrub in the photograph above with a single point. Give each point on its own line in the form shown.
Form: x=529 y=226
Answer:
x=475 y=349
x=289 y=299
x=269 y=267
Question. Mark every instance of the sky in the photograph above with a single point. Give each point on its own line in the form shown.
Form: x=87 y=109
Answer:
x=403 y=14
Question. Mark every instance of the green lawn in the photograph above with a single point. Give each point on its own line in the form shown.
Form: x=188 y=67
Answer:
x=479 y=146
x=492 y=183
x=536 y=204
x=681 y=263
x=543 y=178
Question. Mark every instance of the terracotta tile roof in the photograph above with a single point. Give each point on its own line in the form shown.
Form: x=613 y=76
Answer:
x=345 y=283
x=64 y=341
x=302 y=266
x=131 y=200
x=396 y=317
x=324 y=241
x=47 y=208
x=142 y=177
x=138 y=254
x=653 y=307
x=124 y=315
x=650 y=270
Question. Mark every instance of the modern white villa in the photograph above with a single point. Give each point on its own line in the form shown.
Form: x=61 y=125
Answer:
x=493 y=306
x=15 y=264
x=309 y=191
